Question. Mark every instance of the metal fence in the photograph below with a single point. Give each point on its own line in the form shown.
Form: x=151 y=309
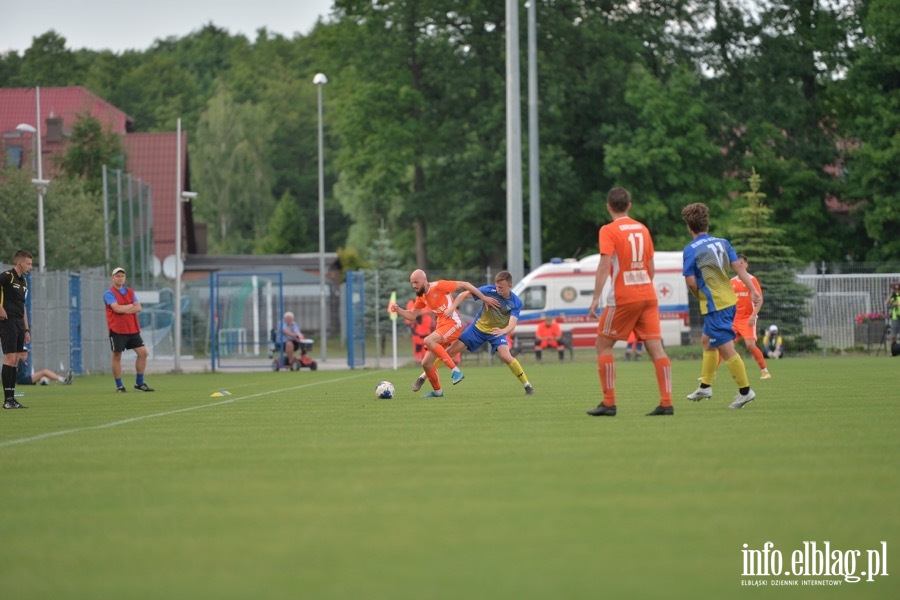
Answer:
x=68 y=320
x=68 y=330
x=848 y=309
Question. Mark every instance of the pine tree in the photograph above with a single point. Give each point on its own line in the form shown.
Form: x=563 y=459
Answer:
x=384 y=261
x=287 y=231
x=770 y=260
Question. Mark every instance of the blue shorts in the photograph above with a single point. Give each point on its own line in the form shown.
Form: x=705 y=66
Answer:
x=717 y=326
x=473 y=338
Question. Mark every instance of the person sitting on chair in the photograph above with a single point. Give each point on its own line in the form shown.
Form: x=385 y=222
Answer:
x=548 y=335
x=291 y=336
x=773 y=345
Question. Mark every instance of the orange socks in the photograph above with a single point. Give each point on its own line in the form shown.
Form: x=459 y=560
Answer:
x=606 y=367
x=664 y=380
x=441 y=353
x=758 y=357
x=432 y=376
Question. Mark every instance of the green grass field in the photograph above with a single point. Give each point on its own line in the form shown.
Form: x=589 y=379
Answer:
x=303 y=485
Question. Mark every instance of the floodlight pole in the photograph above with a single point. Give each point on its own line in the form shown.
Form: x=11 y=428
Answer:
x=534 y=163
x=181 y=197
x=320 y=80
x=514 y=254
x=41 y=184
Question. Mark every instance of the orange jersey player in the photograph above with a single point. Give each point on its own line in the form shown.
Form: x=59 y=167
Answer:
x=745 y=317
x=437 y=296
x=626 y=260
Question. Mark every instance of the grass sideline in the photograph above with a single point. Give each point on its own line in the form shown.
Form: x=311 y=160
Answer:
x=303 y=485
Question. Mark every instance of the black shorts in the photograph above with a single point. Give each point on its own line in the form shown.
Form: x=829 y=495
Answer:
x=120 y=342
x=12 y=335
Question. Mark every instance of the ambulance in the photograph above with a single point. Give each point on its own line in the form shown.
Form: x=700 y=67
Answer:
x=563 y=289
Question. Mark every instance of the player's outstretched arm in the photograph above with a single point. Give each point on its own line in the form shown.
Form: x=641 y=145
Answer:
x=409 y=315
x=460 y=298
x=492 y=302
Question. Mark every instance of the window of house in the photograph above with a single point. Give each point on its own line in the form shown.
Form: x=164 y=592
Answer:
x=14 y=156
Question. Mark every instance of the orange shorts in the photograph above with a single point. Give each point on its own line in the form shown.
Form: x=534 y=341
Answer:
x=449 y=330
x=617 y=322
x=743 y=329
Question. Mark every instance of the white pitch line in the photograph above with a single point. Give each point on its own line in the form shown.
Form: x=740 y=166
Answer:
x=51 y=434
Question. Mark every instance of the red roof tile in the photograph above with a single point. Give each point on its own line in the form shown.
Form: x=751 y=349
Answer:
x=19 y=105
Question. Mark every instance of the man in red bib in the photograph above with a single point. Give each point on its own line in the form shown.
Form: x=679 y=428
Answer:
x=122 y=308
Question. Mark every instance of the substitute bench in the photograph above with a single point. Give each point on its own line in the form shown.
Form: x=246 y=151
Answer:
x=524 y=342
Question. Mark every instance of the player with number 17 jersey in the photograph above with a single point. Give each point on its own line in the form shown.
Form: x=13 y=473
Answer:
x=631 y=247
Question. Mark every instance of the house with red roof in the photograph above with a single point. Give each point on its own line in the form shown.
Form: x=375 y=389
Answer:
x=150 y=157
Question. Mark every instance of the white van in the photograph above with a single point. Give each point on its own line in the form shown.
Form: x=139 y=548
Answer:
x=564 y=288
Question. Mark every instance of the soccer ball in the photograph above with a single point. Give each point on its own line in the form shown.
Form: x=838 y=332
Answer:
x=384 y=390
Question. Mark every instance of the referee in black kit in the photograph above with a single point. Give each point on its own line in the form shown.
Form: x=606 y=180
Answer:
x=13 y=323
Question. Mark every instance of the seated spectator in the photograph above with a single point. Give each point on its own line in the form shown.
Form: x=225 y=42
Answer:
x=634 y=347
x=772 y=345
x=291 y=336
x=44 y=376
x=548 y=335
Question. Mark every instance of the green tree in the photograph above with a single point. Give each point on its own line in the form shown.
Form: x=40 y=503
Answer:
x=774 y=73
x=89 y=148
x=871 y=102
x=157 y=93
x=666 y=154
x=10 y=65
x=231 y=166
x=415 y=117
x=287 y=231
x=771 y=260
x=48 y=63
x=276 y=74
x=206 y=54
x=73 y=221
x=74 y=225
x=106 y=70
x=383 y=276
x=381 y=116
x=18 y=220
x=350 y=260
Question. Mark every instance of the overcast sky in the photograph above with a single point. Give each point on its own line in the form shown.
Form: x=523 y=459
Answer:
x=120 y=25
